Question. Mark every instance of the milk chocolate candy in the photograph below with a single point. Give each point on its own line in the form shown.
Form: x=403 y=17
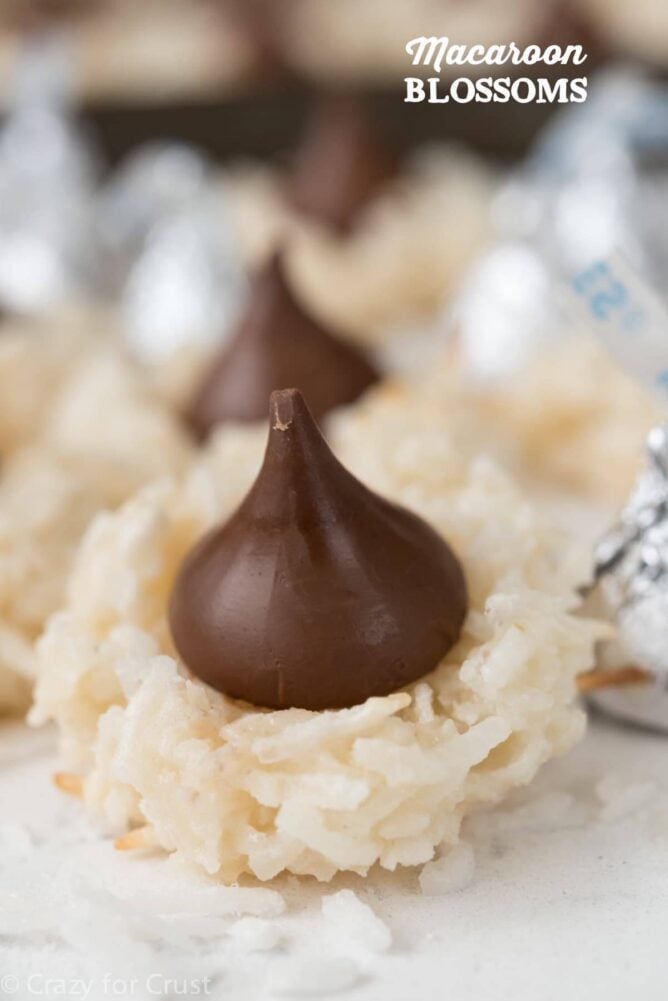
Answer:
x=264 y=24
x=340 y=166
x=32 y=15
x=277 y=344
x=317 y=593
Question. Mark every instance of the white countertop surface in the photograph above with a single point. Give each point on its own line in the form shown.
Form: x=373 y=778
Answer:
x=569 y=900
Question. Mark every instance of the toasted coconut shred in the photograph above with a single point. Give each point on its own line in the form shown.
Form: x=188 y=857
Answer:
x=236 y=789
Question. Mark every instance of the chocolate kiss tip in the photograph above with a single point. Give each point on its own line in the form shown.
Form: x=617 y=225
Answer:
x=317 y=593
x=277 y=344
x=283 y=404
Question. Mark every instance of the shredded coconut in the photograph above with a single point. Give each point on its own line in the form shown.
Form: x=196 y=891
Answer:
x=575 y=420
x=35 y=359
x=353 y=923
x=449 y=873
x=103 y=436
x=235 y=789
x=255 y=934
x=620 y=796
x=309 y=978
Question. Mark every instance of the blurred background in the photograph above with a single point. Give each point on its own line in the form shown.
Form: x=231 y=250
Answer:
x=155 y=153
x=234 y=75
x=182 y=117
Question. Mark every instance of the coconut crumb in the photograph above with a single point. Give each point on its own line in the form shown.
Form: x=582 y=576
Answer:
x=621 y=797
x=354 y=922
x=450 y=873
x=542 y=814
x=307 y=978
x=69 y=783
x=255 y=934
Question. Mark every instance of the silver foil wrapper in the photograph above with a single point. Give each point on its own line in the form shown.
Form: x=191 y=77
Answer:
x=47 y=185
x=583 y=193
x=631 y=574
x=592 y=186
x=153 y=182
x=186 y=287
x=169 y=250
x=506 y=311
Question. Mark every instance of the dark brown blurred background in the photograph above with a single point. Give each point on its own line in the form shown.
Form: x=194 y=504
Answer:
x=236 y=76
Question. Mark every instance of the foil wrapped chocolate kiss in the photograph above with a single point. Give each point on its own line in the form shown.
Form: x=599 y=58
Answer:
x=317 y=593
x=631 y=562
x=277 y=344
x=631 y=571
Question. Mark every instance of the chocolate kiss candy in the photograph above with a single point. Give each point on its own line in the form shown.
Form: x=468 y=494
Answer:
x=263 y=22
x=276 y=345
x=340 y=165
x=317 y=593
x=37 y=14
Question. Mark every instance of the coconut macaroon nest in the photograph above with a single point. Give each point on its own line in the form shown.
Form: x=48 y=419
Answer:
x=98 y=434
x=394 y=266
x=166 y=760
x=35 y=357
x=574 y=420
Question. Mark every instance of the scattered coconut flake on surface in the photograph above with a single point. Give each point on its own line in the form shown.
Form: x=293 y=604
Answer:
x=621 y=796
x=255 y=934
x=179 y=929
x=541 y=814
x=16 y=840
x=70 y=887
x=354 y=922
x=218 y=901
x=453 y=871
x=308 y=978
